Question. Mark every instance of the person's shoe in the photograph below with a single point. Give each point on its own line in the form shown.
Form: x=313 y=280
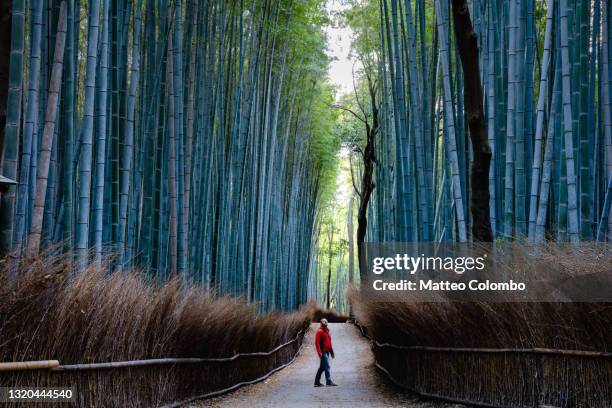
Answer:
x=332 y=384
x=318 y=385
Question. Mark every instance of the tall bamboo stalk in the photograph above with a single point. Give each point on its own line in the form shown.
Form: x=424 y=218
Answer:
x=10 y=144
x=572 y=198
x=86 y=138
x=49 y=133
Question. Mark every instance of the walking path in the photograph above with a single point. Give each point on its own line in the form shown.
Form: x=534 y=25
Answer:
x=360 y=383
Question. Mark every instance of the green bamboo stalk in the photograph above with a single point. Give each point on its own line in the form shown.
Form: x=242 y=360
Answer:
x=29 y=127
x=86 y=142
x=585 y=187
x=606 y=95
x=101 y=141
x=543 y=94
x=172 y=193
x=513 y=62
x=572 y=204
x=69 y=128
x=10 y=147
x=450 y=125
x=547 y=167
x=49 y=133
x=128 y=148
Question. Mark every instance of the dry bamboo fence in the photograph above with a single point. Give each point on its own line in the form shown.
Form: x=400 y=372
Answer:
x=168 y=382
x=485 y=377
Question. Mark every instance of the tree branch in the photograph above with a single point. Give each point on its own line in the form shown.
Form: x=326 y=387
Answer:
x=344 y=108
x=363 y=111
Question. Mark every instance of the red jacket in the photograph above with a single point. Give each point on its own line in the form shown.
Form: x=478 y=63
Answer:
x=323 y=341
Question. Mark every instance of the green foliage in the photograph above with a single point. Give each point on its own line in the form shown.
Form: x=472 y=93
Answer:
x=333 y=241
x=325 y=142
x=363 y=18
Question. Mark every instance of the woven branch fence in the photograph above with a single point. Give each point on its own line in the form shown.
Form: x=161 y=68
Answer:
x=515 y=378
x=168 y=382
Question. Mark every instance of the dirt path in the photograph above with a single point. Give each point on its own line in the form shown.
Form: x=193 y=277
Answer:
x=360 y=383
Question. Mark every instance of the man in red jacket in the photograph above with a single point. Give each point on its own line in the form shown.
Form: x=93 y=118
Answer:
x=323 y=344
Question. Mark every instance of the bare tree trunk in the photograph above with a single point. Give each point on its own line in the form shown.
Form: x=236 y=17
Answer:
x=330 y=238
x=351 y=238
x=367 y=184
x=468 y=51
x=5 y=61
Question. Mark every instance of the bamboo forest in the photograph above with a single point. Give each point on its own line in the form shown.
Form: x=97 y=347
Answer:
x=205 y=139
